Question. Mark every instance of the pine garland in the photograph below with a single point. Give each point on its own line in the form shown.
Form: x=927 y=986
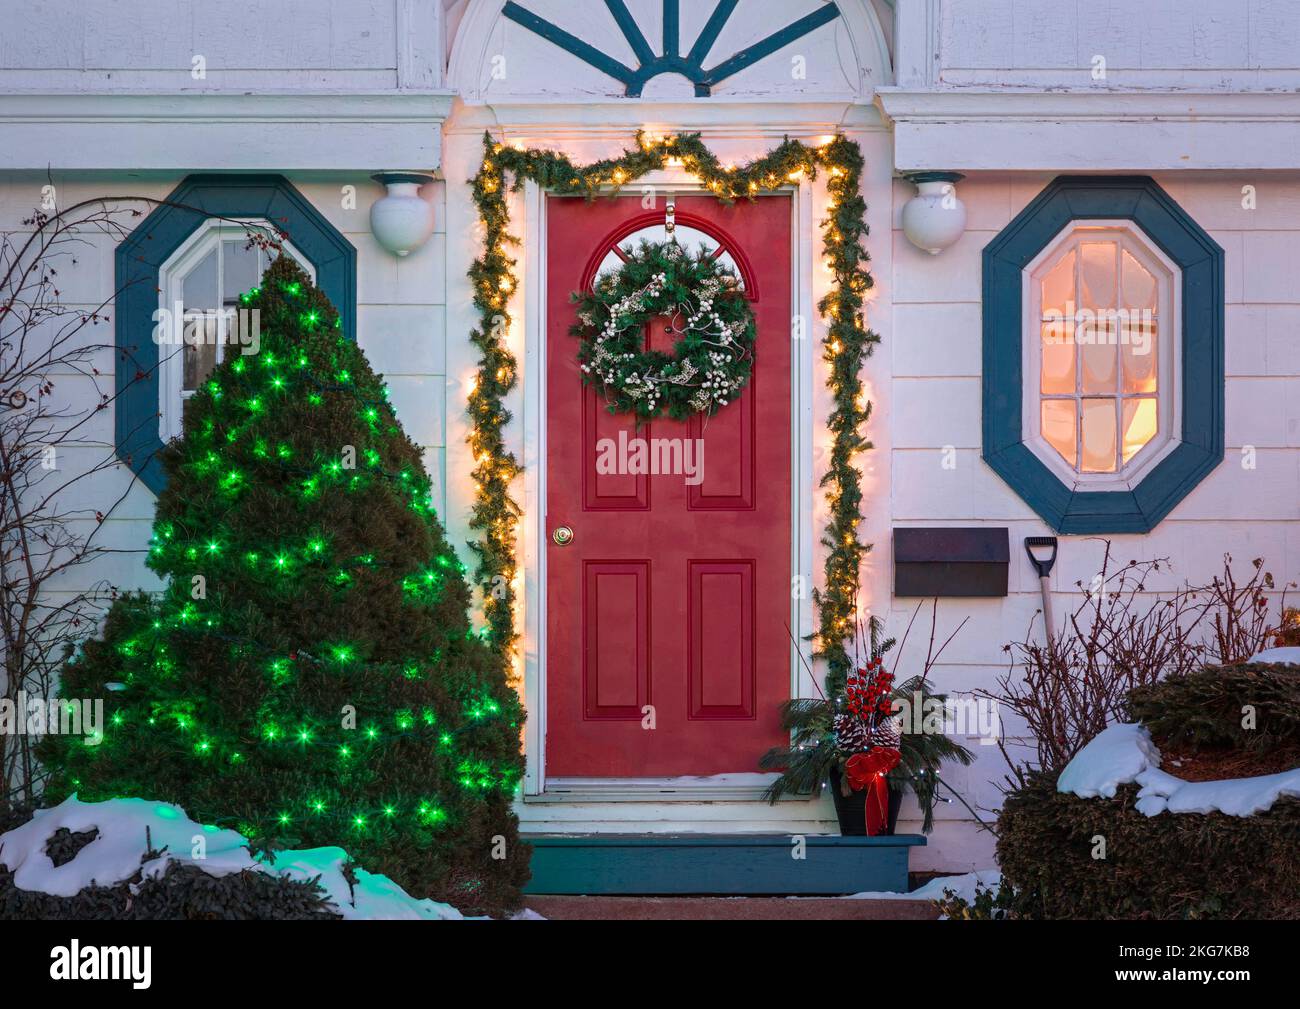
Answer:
x=847 y=344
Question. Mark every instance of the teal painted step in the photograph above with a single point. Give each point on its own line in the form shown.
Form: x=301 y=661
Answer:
x=717 y=864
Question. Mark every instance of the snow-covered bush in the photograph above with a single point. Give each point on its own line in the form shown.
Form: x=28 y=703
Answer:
x=1115 y=835
x=134 y=859
x=1173 y=865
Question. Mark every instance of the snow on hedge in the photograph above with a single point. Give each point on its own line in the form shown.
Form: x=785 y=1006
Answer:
x=115 y=855
x=1287 y=655
x=1125 y=753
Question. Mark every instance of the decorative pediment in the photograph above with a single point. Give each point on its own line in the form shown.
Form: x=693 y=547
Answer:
x=666 y=49
x=670 y=59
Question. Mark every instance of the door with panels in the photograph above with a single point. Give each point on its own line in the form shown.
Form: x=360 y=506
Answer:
x=667 y=596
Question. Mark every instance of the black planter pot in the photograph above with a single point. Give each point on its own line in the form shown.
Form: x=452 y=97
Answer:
x=851 y=809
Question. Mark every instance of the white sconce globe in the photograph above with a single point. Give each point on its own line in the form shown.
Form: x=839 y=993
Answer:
x=934 y=218
x=401 y=221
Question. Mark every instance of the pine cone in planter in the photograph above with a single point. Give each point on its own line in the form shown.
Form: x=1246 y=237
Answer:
x=884 y=734
x=851 y=733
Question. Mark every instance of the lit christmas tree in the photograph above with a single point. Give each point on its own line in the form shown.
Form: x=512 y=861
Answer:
x=309 y=676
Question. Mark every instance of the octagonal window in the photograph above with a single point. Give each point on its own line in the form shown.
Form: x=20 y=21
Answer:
x=1103 y=319
x=1101 y=401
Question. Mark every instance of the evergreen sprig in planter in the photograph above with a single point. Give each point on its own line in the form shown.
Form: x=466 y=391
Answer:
x=847 y=739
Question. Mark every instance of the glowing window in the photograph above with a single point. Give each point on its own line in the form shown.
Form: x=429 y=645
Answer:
x=1101 y=403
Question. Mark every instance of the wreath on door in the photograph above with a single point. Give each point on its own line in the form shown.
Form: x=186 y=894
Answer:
x=707 y=313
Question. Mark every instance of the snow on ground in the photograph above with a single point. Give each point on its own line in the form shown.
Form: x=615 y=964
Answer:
x=115 y=855
x=1124 y=753
x=963 y=886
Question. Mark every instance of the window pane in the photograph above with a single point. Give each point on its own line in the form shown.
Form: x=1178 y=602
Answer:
x=1097 y=280
x=199 y=288
x=1098 y=430
x=1058 y=360
x=1058 y=427
x=239 y=268
x=1141 y=424
x=200 y=360
x=1138 y=354
x=725 y=259
x=691 y=239
x=1139 y=284
x=612 y=263
x=1058 y=289
x=1099 y=361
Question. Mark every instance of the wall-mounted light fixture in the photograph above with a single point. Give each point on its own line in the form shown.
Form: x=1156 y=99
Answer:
x=402 y=220
x=934 y=218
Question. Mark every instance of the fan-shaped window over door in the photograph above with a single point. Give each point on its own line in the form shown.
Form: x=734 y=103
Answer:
x=690 y=238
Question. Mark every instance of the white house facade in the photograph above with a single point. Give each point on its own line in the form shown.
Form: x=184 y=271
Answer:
x=1083 y=224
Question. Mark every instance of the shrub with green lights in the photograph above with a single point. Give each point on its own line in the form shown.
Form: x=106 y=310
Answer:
x=309 y=676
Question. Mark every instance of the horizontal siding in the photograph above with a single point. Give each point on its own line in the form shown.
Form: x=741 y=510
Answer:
x=1204 y=45
x=246 y=45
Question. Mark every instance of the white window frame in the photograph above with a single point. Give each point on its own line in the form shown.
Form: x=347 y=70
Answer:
x=1169 y=393
x=171 y=275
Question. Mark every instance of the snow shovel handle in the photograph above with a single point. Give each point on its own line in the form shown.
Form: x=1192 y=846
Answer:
x=1045 y=565
x=1044 y=568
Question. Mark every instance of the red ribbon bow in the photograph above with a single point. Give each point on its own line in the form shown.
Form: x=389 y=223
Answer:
x=867 y=771
x=863 y=768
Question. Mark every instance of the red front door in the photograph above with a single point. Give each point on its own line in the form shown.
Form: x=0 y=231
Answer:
x=670 y=605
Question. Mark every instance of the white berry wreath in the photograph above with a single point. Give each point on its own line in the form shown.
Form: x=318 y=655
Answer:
x=707 y=313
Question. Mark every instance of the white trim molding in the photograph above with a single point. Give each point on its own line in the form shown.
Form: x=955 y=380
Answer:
x=969 y=130
x=537 y=787
x=189 y=132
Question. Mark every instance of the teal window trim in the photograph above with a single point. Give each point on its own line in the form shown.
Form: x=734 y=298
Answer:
x=141 y=255
x=1199 y=258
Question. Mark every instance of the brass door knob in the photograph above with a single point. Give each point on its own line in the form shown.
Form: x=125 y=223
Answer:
x=562 y=535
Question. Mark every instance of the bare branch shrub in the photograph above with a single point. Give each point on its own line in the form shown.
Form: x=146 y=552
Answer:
x=54 y=393
x=1068 y=689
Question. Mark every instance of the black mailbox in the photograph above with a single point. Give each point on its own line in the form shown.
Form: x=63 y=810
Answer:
x=951 y=562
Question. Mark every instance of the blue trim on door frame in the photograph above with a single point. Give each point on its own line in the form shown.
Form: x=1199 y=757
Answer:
x=670 y=61
x=141 y=255
x=1140 y=200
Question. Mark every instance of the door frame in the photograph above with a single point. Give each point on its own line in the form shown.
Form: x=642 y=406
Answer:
x=803 y=489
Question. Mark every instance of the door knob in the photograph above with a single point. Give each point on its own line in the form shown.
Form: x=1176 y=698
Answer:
x=562 y=535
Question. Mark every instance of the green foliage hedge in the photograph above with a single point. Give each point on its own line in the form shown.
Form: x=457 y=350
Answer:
x=1172 y=865
x=1168 y=866
x=1205 y=708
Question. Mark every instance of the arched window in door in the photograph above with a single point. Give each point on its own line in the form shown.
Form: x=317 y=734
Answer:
x=690 y=238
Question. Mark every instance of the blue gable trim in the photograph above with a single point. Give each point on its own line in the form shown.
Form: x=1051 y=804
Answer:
x=1200 y=259
x=140 y=256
